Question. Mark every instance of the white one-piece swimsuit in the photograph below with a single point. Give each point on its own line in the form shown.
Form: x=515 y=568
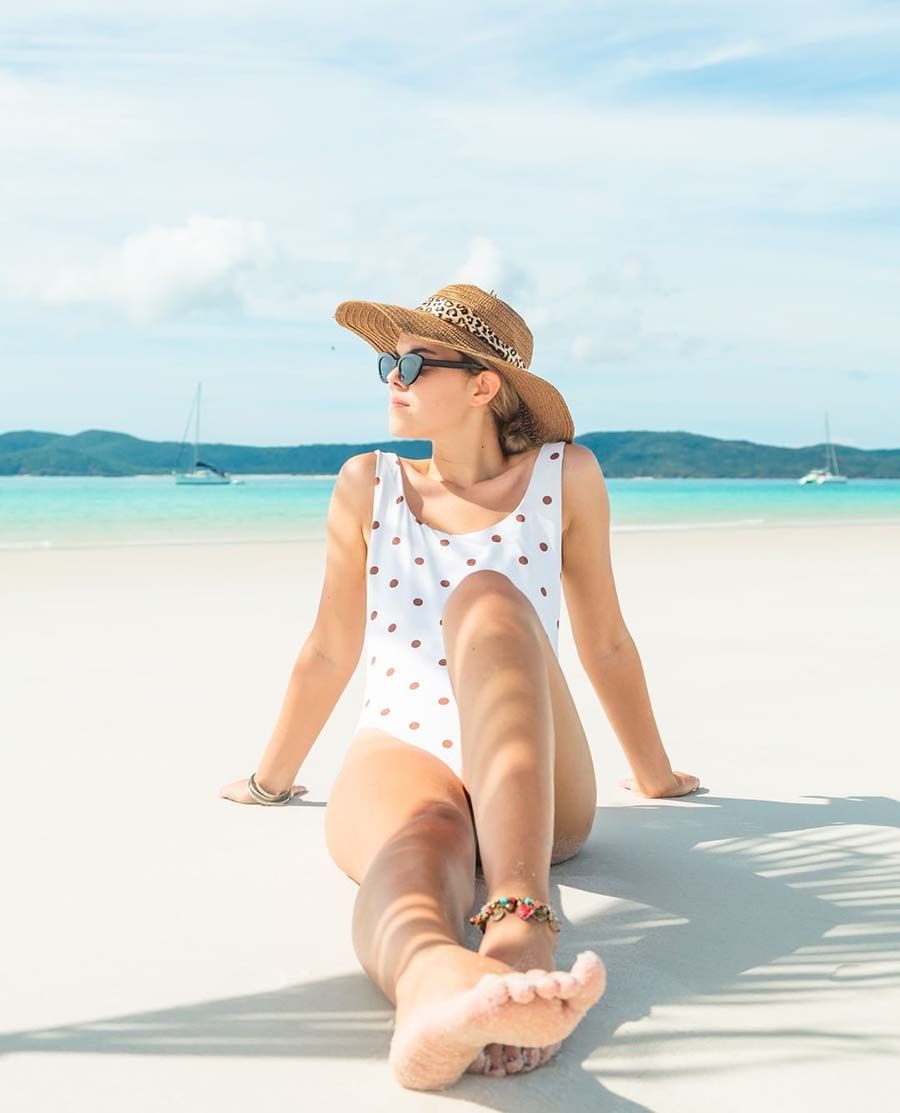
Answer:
x=411 y=570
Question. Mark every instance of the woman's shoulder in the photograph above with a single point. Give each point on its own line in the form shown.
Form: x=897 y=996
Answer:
x=355 y=482
x=582 y=481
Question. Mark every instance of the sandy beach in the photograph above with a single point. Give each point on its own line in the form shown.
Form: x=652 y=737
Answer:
x=165 y=948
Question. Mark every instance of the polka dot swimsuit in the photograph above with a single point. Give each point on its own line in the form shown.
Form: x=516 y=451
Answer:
x=413 y=568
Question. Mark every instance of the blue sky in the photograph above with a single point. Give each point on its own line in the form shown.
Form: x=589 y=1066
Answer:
x=695 y=206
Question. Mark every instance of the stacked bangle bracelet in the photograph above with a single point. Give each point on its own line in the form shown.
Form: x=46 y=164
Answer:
x=524 y=907
x=262 y=797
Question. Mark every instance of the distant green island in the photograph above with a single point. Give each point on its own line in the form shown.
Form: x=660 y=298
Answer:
x=669 y=455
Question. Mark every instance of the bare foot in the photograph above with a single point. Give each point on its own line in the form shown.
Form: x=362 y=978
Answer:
x=525 y=945
x=459 y=1003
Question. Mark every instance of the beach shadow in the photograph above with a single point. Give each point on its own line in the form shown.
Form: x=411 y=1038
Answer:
x=707 y=901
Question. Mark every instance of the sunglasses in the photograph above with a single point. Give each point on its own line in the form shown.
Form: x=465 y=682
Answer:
x=412 y=363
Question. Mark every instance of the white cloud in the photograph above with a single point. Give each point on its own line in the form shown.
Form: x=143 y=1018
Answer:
x=166 y=271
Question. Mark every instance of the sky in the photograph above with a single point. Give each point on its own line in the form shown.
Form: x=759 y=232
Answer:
x=695 y=206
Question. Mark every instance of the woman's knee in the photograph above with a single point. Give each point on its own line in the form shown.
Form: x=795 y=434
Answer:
x=565 y=847
x=492 y=594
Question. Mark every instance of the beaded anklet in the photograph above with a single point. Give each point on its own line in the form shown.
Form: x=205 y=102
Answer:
x=524 y=907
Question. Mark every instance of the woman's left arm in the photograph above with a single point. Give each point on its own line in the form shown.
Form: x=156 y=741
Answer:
x=605 y=646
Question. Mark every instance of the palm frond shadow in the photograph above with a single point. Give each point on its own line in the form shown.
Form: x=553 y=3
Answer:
x=710 y=902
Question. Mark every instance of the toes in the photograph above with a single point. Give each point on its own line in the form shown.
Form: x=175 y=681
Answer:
x=493 y=988
x=478 y=1064
x=521 y=987
x=496 y=1059
x=548 y=986
x=514 y=1058
x=532 y=1057
x=547 y=1053
x=590 y=973
x=568 y=984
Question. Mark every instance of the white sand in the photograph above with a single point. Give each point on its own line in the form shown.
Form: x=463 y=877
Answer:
x=158 y=953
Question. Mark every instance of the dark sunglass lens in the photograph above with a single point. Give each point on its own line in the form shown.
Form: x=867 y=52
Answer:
x=410 y=366
x=386 y=364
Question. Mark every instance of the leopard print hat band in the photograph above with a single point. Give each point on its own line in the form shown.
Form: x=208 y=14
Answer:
x=458 y=314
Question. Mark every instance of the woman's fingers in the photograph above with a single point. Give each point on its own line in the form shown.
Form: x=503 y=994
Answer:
x=683 y=784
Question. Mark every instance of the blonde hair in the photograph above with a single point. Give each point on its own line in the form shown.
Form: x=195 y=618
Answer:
x=515 y=426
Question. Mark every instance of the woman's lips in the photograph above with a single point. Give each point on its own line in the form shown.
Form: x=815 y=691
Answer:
x=397 y=402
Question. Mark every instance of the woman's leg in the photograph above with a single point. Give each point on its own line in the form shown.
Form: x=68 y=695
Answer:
x=526 y=763
x=392 y=823
x=398 y=823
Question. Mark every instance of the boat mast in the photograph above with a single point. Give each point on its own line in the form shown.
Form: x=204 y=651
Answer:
x=831 y=458
x=197 y=425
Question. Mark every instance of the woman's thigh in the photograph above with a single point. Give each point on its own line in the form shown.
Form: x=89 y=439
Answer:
x=382 y=784
x=575 y=784
x=574 y=776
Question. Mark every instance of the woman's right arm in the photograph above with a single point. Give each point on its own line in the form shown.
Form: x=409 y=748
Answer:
x=330 y=654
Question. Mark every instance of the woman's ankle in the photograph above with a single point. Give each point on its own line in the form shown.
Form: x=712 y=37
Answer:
x=429 y=962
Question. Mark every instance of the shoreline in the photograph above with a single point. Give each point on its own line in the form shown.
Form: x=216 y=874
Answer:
x=744 y=524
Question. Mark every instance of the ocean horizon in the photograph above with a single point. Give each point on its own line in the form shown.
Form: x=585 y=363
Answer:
x=56 y=512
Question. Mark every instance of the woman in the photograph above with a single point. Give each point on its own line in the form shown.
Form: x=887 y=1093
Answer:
x=467 y=725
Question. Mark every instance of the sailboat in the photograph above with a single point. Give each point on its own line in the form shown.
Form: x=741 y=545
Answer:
x=825 y=475
x=201 y=473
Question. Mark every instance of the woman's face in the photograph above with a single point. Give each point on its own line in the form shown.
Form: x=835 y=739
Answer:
x=440 y=397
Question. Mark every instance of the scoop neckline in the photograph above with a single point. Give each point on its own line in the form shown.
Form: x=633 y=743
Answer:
x=484 y=529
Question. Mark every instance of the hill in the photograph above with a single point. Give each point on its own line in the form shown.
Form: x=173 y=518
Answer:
x=621 y=454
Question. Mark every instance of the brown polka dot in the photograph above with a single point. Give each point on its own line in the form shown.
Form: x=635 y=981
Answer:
x=443 y=699
x=523 y=560
x=544 y=546
x=443 y=661
x=373 y=661
x=415 y=644
x=385 y=710
x=445 y=583
x=471 y=560
x=366 y=704
x=546 y=499
x=420 y=560
x=395 y=540
x=392 y=627
x=496 y=537
x=520 y=517
x=554 y=455
x=414 y=684
x=373 y=569
x=376 y=525
x=399 y=498
x=444 y=541
x=447 y=743
x=413 y=726
x=393 y=583
x=557 y=622
x=390 y=671
x=374 y=614
x=441 y=622
x=377 y=480
x=543 y=591
x=417 y=602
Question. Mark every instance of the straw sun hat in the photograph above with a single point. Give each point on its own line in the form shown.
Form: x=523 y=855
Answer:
x=482 y=326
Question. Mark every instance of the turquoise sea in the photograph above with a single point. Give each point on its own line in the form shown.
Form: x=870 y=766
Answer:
x=75 y=512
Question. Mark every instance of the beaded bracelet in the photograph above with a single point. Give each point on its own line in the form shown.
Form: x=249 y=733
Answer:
x=524 y=907
x=262 y=797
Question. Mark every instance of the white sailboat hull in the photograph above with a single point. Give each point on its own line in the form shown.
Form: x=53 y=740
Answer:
x=202 y=479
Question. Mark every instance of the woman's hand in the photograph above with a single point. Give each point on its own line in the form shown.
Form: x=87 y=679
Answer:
x=240 y=792
x=681 y=784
